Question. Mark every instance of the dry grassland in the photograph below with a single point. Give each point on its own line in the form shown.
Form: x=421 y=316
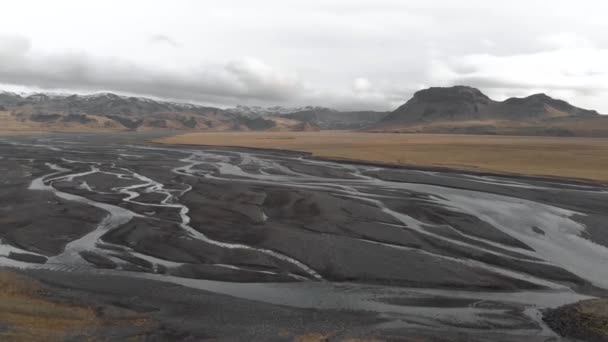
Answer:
x=580 y=158
x=27 y=313
x=27 y=316
x=9 y=132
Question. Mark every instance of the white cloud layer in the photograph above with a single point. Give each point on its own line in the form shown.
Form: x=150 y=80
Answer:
x=352 y=54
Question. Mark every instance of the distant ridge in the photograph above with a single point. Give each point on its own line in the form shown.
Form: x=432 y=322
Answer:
x=463 y=109
x=324 y=118
x=467 y=103
x=111 y=112
x=458 y=109
x=107 y=111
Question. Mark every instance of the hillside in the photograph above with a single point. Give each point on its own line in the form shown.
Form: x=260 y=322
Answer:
x=110 y=112
x=324 y=118
x=467 y=110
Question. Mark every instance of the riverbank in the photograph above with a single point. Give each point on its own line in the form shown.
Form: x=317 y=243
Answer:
x=574 y=158
x=586 y=320
x=32 y=311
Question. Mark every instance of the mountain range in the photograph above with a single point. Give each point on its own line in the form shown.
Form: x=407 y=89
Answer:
x=457 y=109
x=106 y=111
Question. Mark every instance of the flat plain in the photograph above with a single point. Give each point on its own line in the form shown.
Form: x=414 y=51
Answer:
x=9 y=133
x=166 y=242
x=568 y=157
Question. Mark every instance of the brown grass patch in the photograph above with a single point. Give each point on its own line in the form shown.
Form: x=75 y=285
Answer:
x=318 y=337
x=312 y=337
x=555 y=126
x=29 y=315
x=586 y=320
x=594 y=314
x=10 y=125
x=581 y=158
x=10 y=133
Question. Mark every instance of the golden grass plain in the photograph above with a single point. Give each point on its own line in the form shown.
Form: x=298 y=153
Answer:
x=28 y=316
x=564 y=157
x=28 y=313
x=12 y=133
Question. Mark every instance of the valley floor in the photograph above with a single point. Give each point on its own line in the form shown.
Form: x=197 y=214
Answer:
x=111 y=237
x=567 y=157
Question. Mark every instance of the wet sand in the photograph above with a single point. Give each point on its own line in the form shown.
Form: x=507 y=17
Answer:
x=307 y=243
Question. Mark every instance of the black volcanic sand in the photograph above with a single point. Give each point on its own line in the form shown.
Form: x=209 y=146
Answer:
x=39 y=221
x=187 y=314
x=181 y=313
x=423 y=253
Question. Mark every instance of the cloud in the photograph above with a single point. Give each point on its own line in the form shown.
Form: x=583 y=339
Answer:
x=309 y=52
x=574 y=70
x=245 y=80
x=361 y=84
x=241 y=79
x=163 y=39
x=566 y=40
x=13 y=46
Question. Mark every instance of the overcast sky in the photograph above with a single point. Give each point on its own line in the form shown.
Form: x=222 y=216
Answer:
x=349 y=54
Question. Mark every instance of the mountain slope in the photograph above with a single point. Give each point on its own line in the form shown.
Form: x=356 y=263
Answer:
x=539 y=106
x=112 y=112
x=327 y=118
x=466 y=110
x=324 y=118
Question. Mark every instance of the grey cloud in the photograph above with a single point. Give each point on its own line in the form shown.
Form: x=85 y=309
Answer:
x=244 y=79
x=310 y=52
x=13 y=47
x=499 y=83
x=577 y=74
x=164 y=39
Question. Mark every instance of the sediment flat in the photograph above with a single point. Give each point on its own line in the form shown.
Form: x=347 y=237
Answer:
x=186 y=235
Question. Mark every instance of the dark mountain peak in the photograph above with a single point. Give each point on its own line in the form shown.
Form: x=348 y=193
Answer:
x=451 y=94
x=442 y=104
x=540 y=96
x=101 y=96
x=38 y=97
x=541 y=105
x=463 y=103
x=535 y=98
